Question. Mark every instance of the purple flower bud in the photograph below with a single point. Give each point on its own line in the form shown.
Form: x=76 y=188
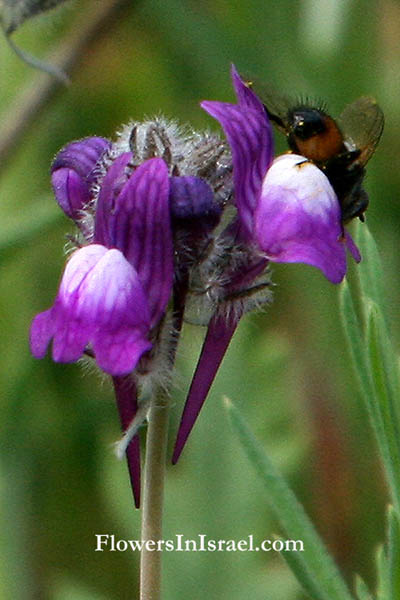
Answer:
x=194 y=214
x=73 y=172
x=192 y=203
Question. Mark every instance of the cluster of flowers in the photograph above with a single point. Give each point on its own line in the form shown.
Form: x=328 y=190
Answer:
x=178 y=224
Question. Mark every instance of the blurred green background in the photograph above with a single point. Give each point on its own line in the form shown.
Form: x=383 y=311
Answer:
x=288 y=369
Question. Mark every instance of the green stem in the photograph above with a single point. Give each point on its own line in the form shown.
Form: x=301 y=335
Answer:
x=153 y=496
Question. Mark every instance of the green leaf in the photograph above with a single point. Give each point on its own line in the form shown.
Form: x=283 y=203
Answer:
x=370 y=270
x=382 y=569
x=387 y=359
x=394 y=552
x=360 y=359
x=313 y=567
x=353 y=330
x=384 y=373
x=362 y=590
x=376 y=371
x=299 y=568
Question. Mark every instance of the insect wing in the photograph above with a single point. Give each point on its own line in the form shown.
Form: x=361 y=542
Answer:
x=276 y=105
x=362 y=124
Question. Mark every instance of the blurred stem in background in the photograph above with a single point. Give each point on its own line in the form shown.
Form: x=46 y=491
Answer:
x=71 y=51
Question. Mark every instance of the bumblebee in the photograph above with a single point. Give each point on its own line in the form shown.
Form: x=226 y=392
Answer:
x=340 y=148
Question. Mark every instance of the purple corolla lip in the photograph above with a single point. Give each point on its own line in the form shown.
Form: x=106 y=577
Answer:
x=298 y=218
x=100 y=303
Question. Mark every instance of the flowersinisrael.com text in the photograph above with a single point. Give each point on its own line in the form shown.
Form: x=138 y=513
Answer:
x=202 y=543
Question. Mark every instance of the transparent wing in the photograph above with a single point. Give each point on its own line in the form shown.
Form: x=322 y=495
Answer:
x=362 y=124
x=277 y=105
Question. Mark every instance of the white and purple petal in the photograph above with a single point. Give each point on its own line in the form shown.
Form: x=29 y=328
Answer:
x=100 y=302
x=298 y=217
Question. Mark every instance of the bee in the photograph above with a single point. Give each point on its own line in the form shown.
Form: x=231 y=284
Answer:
x=340 y=148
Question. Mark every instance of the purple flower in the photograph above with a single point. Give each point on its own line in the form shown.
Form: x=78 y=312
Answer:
x=159 y=244
x=146 y=206
x=287 y=211
x=114 y=292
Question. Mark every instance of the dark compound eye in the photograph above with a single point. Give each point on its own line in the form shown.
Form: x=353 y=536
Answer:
x=306 y=122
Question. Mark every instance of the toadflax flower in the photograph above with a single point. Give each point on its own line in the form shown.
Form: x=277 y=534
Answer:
x=115 y=290
x=145 y=217
x=107 y=298
x=287 y=211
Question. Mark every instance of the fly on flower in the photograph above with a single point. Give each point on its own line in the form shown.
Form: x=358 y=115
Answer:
x=287 y=212
x=340 y=148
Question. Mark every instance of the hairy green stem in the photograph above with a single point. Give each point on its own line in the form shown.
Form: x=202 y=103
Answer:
x=153 y=497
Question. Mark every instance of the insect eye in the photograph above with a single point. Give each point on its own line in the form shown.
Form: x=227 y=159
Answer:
x=304 y=129
x=307 y=123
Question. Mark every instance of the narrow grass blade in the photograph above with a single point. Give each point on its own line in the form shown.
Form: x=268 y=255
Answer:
x=384 y=373
x=299 y=568
x=313 y=567
x=394 y=552
x=382 y=569
x=362 y=590
x=370 y=270
x=369 y=370
x=388 y=359
x=359 y=354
